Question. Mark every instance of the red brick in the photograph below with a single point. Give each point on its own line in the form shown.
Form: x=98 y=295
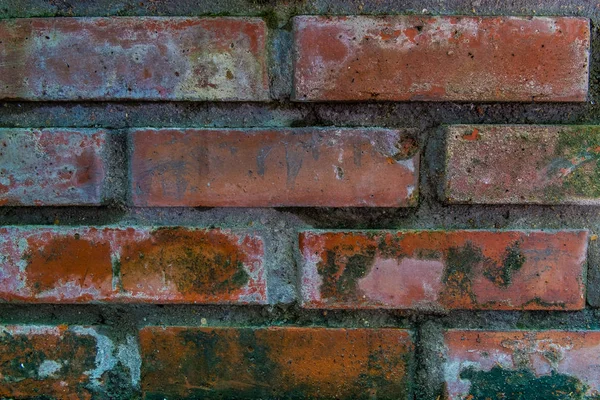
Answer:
x=164 y=265
x=522 y=364
x=441 y=58
x=46 y=362
x=133 y=58
x=541 y=164
x=276 y=362
x=266 y=168
x=52 y=166
x=500 y=270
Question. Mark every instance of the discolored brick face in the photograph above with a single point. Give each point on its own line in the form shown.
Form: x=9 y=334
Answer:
x=46 y=362
x=543 y=164
x=165 y=265
x=446 y=58
x=140 y=58
x=498 y=270
x=269 y=168
x=522 y=364
x=275 y=363
x=52 y=166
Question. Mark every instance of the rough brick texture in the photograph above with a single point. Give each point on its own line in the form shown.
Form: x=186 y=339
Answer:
x=322 y=199
x=522 y=365
x=491 y=164
x=455 y=270
x=52 y=166
x=47 y=362
x=276 y=363
x=164 y=265
x=266 y=168
x=133 y=58
x=441 y=58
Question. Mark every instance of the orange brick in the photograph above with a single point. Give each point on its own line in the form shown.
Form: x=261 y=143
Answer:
x=419 y=58
x=165 y=265
x=276 y=362
x=499 y=270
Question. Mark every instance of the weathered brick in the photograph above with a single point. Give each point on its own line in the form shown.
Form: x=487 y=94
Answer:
x=522 y=365
x=52 y=166
x=441 y=58
x=501 y=270
x=133 y=58
x=46 y=362
x=522 y=164
x=266 y=168
x=164 y=265
x=276 y=362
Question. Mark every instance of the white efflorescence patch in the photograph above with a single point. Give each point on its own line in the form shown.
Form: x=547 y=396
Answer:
x=107 y=358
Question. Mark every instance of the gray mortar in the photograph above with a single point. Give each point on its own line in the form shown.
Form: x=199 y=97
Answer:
x=280 y=226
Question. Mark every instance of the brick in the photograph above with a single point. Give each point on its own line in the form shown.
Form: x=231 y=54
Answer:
x=417 y=58
x=163 y=265
x=52 y=166
x=276 y=362
x=46 y=362
x=522 y=364
x=139 y=58
x=542 y=164
x=498 y=270
x=266 y=168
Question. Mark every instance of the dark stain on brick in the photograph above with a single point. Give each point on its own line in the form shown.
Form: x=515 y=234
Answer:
x=501 y=275
x=522 y=384
x=407 y=147
x=194 y=261
x=22 y=358
x=292 y=363
x=340 y=272
x=458 y=275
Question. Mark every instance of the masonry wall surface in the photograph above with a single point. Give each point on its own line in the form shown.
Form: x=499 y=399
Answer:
x=109 y=336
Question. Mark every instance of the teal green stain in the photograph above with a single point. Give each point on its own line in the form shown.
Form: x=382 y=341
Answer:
x=577 y=151
x=522 y=384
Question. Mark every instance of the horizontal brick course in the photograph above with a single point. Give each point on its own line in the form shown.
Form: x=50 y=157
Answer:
x=46 y=362
x=141 y=58
x=276 y=363
x=52 y=166
x=164 y=265
x=279 y=167
x=544 y=164
x=441 y=58
x=522 y=364
x=498 y=270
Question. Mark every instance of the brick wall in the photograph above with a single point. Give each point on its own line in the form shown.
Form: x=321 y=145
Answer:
x=300 y=199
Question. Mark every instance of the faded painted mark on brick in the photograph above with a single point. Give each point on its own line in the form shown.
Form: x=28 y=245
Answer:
x=267 y=168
